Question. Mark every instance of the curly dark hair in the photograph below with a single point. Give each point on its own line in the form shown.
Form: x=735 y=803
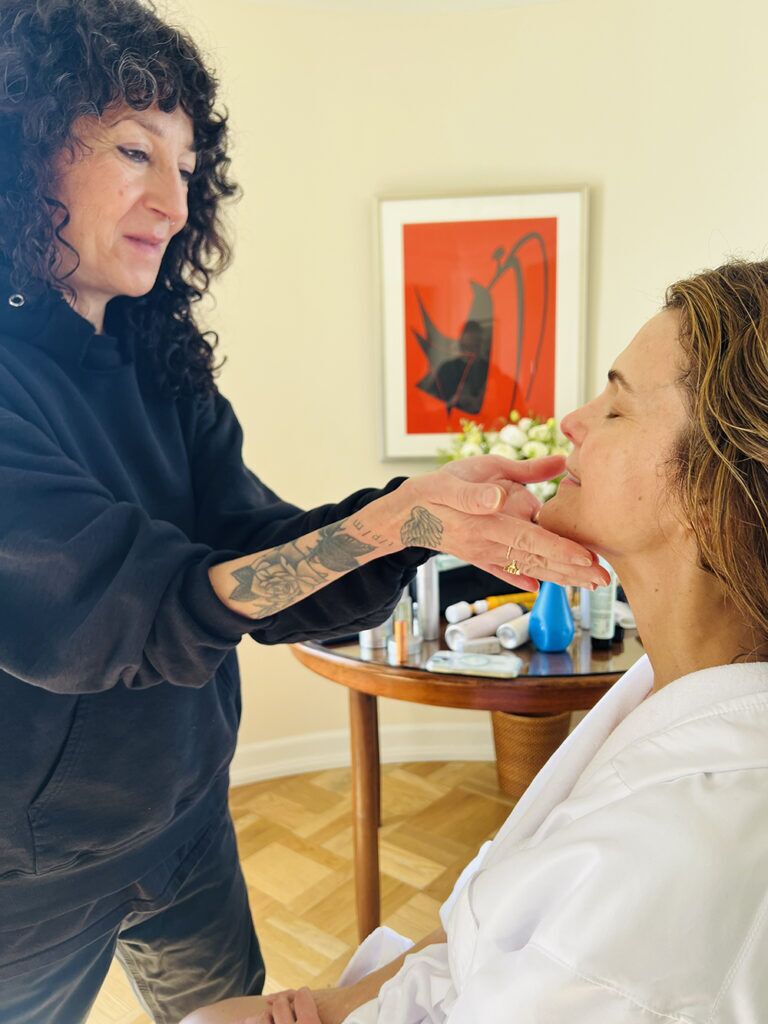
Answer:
x=64 y=59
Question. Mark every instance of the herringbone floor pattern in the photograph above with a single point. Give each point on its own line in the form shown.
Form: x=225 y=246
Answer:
x=295 y=840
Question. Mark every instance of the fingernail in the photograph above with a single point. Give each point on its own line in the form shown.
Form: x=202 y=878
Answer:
x=491 y=497
x=583 y=561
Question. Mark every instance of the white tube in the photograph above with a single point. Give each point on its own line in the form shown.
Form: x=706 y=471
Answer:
x=481 y=625
x=481 y=645
x=458 y=612
x=516 y=633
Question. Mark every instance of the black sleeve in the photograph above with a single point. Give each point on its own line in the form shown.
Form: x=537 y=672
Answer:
x=93 y=592
x=237 y=512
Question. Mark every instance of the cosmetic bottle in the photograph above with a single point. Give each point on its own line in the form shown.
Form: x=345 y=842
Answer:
x=584 y=596
x=551 y=619
x=480 y=645
x=376 y=638
x=526 y=600
x=602 y=615
x=482 y=625
x=464 y=610
x=428 y=600
x=403 y=644
x=515 y=633
x=404 y=610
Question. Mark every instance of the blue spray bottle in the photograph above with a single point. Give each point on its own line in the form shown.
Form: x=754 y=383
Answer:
x=551 y=620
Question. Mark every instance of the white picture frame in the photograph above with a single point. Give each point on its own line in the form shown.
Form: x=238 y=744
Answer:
x=563 y=212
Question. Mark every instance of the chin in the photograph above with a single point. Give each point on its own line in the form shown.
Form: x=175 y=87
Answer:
x=134 y=288
x=562 y=515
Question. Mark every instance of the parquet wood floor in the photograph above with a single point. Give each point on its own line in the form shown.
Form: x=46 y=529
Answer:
x=295 y=841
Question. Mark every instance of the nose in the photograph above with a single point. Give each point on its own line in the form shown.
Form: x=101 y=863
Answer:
x=168 y=196
x=572 y=425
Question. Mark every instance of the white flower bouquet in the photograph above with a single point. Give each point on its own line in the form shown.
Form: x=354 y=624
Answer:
x=523 y=437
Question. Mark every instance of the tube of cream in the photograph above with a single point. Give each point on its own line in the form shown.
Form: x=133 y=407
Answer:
x=480 y=625
x=515 y=633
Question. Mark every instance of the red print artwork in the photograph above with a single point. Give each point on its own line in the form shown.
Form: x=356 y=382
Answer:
x=479 y=321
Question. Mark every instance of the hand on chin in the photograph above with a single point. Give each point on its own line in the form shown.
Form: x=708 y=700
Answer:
x=559 y=516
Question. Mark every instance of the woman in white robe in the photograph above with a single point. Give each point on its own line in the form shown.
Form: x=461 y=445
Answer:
x=630 y=883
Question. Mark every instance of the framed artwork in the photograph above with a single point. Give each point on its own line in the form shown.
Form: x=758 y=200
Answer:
x=483 y=303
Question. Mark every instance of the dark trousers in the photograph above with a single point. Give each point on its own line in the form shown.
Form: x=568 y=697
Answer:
x=194 y=948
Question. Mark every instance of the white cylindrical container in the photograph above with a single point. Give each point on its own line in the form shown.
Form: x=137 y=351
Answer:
x=373 y=639
x=515 y=633
x=458 y=612
x=584 y=596
x=428 y=600
x=602 y=613
x=480 y=645
x=481 y=625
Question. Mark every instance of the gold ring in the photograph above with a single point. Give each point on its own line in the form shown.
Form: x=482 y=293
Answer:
x=512 y=568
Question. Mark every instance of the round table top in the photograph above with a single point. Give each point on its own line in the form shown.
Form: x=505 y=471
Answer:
x=548 y=683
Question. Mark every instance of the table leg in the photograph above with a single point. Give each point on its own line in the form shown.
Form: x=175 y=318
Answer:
x=363 y=720
x=376 y=762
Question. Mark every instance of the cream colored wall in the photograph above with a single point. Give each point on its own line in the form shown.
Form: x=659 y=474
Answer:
x=658 y=106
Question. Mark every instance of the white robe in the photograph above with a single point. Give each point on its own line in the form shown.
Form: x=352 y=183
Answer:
x=629 y=884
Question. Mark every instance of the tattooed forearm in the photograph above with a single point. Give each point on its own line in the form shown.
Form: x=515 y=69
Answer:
x=277 y=578
x=376 y=538
x=337 y=550
x=422 y=529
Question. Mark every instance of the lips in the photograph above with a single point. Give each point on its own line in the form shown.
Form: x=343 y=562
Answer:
x=146 y=248
x=572 y=475
x=146 y=240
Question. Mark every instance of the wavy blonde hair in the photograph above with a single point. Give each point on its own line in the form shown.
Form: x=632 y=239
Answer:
x=721 y=463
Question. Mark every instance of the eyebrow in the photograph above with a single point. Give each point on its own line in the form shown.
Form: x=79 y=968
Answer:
x=150 y=126
x=617 y=377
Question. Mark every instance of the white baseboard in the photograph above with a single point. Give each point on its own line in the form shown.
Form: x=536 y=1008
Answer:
x=317 y=751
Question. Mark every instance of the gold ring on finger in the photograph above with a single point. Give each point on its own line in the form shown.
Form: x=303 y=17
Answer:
x=513 y=568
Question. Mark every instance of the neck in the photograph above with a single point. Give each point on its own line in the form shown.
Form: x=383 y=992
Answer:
x=90 y=308
x=684 y=618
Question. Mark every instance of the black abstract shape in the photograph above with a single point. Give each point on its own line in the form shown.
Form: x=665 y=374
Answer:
x=458 y=370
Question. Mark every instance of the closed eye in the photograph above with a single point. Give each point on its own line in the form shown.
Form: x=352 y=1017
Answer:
x=138 y=156
x=612 y=415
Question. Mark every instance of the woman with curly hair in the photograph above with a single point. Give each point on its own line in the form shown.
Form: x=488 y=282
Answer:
x=136 y=548
x=629 y=885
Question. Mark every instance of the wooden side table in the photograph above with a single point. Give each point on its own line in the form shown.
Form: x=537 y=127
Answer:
x=549 y=685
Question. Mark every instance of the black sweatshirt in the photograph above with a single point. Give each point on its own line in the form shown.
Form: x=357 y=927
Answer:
x=119 y=685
